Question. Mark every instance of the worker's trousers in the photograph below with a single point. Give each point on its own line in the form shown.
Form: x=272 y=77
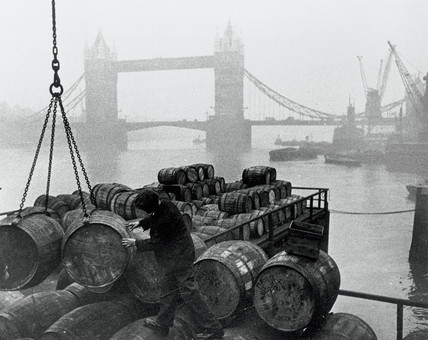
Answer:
x=178 y=285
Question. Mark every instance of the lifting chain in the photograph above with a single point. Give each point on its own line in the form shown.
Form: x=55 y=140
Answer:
x=56 y=91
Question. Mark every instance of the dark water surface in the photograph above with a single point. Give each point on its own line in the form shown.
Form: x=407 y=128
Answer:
x=370 y=250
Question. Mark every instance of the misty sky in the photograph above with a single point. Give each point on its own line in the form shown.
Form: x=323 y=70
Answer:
x=304 y=49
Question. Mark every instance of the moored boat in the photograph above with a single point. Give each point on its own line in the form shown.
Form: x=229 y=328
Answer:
x=291 y=154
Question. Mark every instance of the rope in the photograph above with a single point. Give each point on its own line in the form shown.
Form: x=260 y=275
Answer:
x=371 y=213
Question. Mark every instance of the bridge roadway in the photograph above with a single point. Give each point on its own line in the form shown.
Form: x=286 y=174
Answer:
x=202 y=125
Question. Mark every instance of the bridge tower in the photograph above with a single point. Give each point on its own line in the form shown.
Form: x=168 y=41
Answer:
x=102 y=125
x=228 y=129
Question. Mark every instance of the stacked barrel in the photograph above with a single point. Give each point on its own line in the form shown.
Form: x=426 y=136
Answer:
x=257 y=198
x=105 y=290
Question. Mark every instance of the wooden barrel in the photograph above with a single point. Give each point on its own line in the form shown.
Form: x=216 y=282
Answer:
x=290 y=208
x=74 y=215
x=191 y=173
x=281 y=213
x=234 y=203
x=254 y=196
x=229 y=223
x=208 y=170
x=272 y=195
x=104 y=192
x=300 y=203
x=417 y=335
x=86 y=296
x=71 y=200
x=213 y=230
x=93 y=254
x=199 y=244
x=29 y=251
x=202 y=236
x=214 y=198
x=344 y=326
x=284 y=187
x=272 y=220
x=53 y=203
x=84 y=193
x=217 y=215
x=196 y=190
x=263 y=197
x=200 y=171
x=143 y=276
x=187 y=221
x=198 y=204
x=213 y=185
x=181 y=192
x=123 y=204
x=184 y=207
x=136 y=330
x=31 y=211
x=226 y=273
x=172 y=176
x=207 y=200
x=208 y=207
x=272 y=174
x=88 y=203
x=256 y=227
x=205 y=188
x=34 y=313
x=256 y=175
x=198 y=220
x=293 y=292
x=99 y=320
x=297 y=207
x=8 y=330
x=222 y=182
x=233 y=186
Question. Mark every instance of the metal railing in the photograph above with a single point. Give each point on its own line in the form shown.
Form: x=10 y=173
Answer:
x=313 y=204
x=398 y=302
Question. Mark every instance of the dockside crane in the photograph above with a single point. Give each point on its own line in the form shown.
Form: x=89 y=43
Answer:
x=418 y=100
x=374 y=96
x=413 y=92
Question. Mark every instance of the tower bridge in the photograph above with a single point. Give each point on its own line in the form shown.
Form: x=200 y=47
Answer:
x=101 y=76
x=227 y=128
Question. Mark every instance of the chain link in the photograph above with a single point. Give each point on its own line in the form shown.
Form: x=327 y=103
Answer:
x=56 y=91
x=72 y=143
x=48 y=182
x=33 y=166
x=56 y=88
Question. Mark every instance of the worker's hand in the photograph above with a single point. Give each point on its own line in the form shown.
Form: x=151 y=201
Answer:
x=132 y=225
x=128 y=242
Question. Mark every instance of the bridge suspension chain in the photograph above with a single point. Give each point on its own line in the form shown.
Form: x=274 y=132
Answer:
x=288 y=103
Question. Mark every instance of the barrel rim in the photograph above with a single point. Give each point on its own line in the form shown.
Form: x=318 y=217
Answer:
x=314 y=296
x=34 y=266
x=129 y=252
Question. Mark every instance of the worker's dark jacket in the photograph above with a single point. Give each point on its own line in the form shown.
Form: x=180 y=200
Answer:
x=169 y=237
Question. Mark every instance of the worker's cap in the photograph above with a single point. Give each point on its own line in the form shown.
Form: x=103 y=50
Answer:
x=147 y=200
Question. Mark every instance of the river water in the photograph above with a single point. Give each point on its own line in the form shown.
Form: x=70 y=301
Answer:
x=371 y=251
